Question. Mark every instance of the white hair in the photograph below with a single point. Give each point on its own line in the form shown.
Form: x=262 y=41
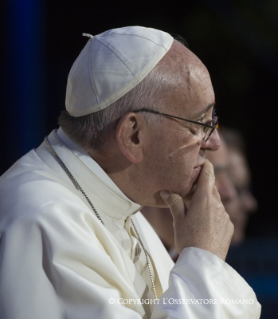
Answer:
x=91 y=131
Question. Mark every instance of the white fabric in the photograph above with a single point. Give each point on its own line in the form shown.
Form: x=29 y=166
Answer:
x=111 y=64
x=58 y=261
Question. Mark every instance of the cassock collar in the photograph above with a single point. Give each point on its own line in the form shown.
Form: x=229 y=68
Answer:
x=113 y=201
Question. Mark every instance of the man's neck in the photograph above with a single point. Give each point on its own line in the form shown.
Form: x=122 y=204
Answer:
x=116 y=166
x=161 y=219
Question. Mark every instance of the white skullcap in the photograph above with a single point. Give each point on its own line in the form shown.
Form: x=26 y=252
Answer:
x=111 y=64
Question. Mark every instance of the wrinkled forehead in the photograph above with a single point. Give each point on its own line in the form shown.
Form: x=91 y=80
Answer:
x=188 y=68
x=189 y=85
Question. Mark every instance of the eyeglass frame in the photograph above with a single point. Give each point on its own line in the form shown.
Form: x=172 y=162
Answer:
x=213 y=127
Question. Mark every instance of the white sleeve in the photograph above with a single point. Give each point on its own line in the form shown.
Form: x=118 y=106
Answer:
x=42 y=281
x=58 y=268
x=203 y=286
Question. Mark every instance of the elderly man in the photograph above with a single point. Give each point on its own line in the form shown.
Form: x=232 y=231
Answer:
x=73 y=245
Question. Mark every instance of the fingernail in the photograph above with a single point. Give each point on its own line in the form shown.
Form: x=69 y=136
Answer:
x=164 y=194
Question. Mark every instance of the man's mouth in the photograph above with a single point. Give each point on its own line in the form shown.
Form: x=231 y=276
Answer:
x=197 y=171
x=199 y=165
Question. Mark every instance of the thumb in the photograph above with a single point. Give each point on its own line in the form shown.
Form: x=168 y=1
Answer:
x=175 y=203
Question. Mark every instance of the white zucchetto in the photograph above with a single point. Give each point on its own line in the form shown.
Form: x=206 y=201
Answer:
x=111 y=64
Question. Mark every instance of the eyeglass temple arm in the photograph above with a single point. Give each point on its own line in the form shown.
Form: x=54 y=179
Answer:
x=176 y=117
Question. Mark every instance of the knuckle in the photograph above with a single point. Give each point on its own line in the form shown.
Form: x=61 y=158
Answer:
x=209 y=173
x=210 y=166
x=210 y=177
x=173 y=200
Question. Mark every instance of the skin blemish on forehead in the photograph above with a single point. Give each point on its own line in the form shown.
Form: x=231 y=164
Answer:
x=188 y=79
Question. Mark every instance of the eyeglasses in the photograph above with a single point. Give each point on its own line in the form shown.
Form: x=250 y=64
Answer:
x=207 y=129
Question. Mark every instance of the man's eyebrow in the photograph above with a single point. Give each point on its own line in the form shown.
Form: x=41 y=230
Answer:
x=205 y=110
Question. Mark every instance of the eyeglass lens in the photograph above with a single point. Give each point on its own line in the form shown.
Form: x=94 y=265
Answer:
x=210 y=130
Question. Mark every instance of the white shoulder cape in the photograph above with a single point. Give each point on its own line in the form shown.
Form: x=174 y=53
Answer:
x=58 y=261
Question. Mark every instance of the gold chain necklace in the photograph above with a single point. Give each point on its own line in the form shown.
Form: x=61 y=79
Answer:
x=79 y=188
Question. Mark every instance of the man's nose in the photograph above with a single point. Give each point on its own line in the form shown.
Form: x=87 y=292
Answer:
x=213 y=143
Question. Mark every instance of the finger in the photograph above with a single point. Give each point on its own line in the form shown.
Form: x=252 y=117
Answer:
x=175 y=203
x=206 y=179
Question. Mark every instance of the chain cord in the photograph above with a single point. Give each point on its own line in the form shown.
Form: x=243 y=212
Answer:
x=147 y=258
x=79 y=188
x=74 y=181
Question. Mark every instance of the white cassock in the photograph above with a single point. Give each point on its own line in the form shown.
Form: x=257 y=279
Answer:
x=57 y=260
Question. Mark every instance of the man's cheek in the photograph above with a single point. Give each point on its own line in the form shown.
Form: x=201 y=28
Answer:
x=190 y=150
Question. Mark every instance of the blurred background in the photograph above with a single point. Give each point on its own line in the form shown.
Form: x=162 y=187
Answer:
x=237 y=41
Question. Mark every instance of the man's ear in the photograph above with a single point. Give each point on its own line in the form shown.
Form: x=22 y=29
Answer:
x=129 y=137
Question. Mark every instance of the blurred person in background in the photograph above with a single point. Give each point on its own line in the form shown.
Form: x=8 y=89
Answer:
x=239 y=172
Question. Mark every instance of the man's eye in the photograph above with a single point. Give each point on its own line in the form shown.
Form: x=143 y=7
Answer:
x=205 y=128
x=209 y=122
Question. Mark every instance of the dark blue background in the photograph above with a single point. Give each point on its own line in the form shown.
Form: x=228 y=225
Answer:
x=237 y=40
